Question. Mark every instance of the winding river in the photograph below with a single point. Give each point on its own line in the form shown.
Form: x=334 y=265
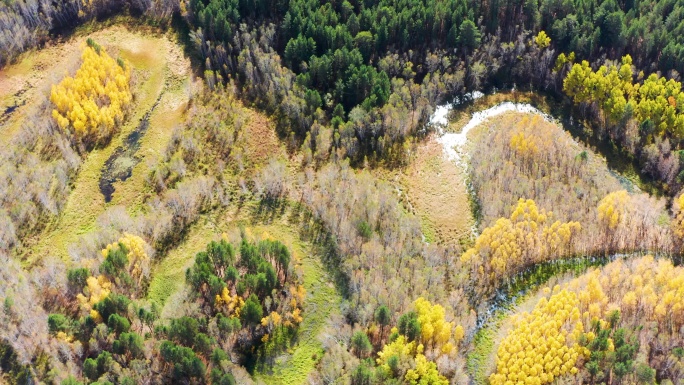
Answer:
x=452 y=142
x=533 y=278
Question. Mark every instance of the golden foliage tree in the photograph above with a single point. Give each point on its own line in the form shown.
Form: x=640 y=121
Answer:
x=97 y=289
x=511 y=244
x=678 y=220
x=425 y=373
x=542 y=40
x=228 y=304
x=611 y=209
x=523 y=145
x=138 y=260
x=438 y=335
x=94 y=101
x=656 y=101
x=435 y=330
x=543 y=344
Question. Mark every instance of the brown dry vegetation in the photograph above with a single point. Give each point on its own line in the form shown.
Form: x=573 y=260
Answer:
x=562 y=176
x=435 y=189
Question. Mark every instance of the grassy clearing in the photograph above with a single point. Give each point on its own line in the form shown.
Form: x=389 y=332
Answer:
x=169 y=114
x=149 y=55
x=322 y=300
x=168 y=276
x=260 y=140
x=435 y=188
x=293 y=366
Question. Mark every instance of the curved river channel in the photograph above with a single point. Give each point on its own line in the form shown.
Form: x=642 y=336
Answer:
x=520 y=285
x=533 y=278
x=452 y=142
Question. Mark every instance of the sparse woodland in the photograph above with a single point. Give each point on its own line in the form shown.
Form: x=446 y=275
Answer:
x=565 y=178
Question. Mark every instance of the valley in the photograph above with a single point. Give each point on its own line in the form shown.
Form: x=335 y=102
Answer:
x=213 y=192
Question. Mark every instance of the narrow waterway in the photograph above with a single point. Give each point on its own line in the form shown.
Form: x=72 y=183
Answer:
x=453 y=142
x=532 y=279
x=520 y=285
x=18 y=102
x=119 y=166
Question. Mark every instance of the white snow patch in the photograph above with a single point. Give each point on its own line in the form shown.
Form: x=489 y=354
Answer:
x=439 y=117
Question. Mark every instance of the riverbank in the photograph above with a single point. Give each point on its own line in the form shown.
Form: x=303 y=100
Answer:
x=459 y=133
x=457 y=114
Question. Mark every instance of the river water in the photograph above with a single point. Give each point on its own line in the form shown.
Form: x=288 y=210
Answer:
x=537 y=275
x=452 y=142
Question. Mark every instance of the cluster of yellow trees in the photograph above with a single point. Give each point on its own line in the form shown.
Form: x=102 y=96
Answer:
x=138 y=260
x=524 y=145
x=613 y=89
x=544 y=343
x=99 y=287
x=228 y=304
x=678 y=220
x=291 y=318
x=542 y=346
x=511 y=244
x=611 y=209
x=298 y=293
x=435 y=333
x=647 y=289
x=93 y=101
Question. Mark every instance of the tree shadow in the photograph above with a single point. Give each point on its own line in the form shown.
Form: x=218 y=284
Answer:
x=311 y=230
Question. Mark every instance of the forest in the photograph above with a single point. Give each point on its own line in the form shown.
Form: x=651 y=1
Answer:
x=258 y=192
